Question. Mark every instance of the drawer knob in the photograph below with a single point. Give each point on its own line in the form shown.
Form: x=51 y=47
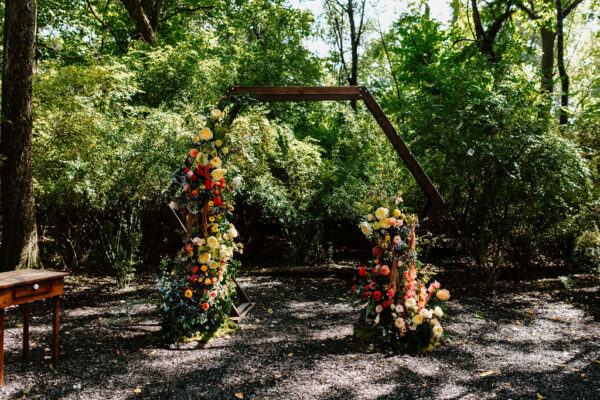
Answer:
x=36 y=286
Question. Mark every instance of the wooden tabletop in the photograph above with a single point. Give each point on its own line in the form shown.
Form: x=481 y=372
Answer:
x=25 y=276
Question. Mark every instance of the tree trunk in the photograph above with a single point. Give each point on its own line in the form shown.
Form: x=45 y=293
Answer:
x=142 y=20
x=19 y=230
x=547 y=84
x=560 y=61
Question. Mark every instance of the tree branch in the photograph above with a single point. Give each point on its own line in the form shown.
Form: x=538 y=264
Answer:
x=106 y=26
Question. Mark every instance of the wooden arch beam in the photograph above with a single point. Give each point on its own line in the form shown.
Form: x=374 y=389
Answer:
x=435 y=201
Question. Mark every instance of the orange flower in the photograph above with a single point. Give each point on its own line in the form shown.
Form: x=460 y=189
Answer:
x=443 y=295
x=188 y=293
x=385 y=270
x=205 y=306
x=193 y=153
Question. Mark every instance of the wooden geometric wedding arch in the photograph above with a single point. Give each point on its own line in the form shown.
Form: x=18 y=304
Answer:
x=435 y=201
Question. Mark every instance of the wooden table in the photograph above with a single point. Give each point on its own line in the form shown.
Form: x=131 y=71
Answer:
x=22 y=287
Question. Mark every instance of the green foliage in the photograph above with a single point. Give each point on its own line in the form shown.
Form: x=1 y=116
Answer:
x=587 y=251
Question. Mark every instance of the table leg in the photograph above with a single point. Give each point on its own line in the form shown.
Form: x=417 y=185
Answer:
x=1 y=346
x=56 y=318
x=26 y=331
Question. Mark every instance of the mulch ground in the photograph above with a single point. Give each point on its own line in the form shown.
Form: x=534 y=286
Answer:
x=512 y=341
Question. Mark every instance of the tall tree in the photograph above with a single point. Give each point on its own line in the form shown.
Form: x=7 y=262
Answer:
x=562 y=12
x=19 y=230
x=347 y=22
x=499 y=12
x=547 y=34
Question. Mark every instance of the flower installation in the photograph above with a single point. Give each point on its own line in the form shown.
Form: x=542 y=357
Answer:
x=197 y=286
x=402 y=310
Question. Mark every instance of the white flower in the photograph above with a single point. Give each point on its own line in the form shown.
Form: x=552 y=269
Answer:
x=197 y=241
x=417 y=319
x=400 y=323
x=410 y=303
x=218 y=173
x=366 y=228
x=437 y=330
x=399 y=308
x=237 y=180
x=427 y=313
x=382 y=213
x=216 y=114
x=205 y=134
x=232 y=232
x=213 y=242
x=377 y=318
x=438 y=311
x=213 y=265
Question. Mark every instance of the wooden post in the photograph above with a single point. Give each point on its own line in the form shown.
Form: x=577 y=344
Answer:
x=1 y=346
x=56 y=300
x=26 y=308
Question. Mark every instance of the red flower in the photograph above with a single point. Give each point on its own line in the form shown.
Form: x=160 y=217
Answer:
x=213 y=279
x=367 y=287
x=377 y=295
x=391 y=293
x=362 y=271
x=205 y=306
x=194 y=192
x=193 y=178
x=377 y=251
x=366 y=295
x=194 y=269
x=185 y=171
x=217 y=192
x=189 y=247
x=193 y=278
x=209 y=184
x=385 y=303
x=353 y=288
x=213 y=294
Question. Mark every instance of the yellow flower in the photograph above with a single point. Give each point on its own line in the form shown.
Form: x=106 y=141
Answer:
x=384 y=223
x=213 y=243
x=376 y=225
x=218 y=142
x=366 y=228
x=382 y=213
x=219 y=216
x=213 y=153
x=211 y=219
x=207 y=281
x=203 y=268
x=215 y=228
x=225 y=150
x=216 y=162
x=417 y=319
x=214 y=265
x=206 y=134
x=218 y=173
x=188 y=293
x=387 y=238
x=437 y=330
x=397 y=213
x=211 y=203
x=204 y=257
x=197 y=139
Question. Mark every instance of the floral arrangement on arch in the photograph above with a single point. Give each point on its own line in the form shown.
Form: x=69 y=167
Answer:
x=402 y=310
x=197 y=286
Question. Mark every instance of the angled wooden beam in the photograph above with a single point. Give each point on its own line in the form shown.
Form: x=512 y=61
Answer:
x=435 y=201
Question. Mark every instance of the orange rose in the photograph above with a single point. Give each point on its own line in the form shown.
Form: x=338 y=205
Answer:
x=443 y=295
x=385 y=270
x=205 y=306
x=188 y=293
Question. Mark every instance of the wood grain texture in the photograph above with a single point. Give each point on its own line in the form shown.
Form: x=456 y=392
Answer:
x=24 y=276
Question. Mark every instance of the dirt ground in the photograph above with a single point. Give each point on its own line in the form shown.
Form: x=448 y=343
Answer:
x=527 y=340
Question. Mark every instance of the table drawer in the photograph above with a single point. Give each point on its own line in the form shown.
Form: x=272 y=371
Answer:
x=33 y=289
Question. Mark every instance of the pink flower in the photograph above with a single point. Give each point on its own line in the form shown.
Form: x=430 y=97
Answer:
x=197 y=241
x=391 y=293
x=379 y=308
x=213 y=294
x=392 y=221
x=397 y=240
x=186 y=187
x=369 y=217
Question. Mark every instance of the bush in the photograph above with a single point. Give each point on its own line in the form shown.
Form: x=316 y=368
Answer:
x=587 y=251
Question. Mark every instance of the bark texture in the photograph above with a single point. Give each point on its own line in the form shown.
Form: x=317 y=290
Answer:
x=19 y=231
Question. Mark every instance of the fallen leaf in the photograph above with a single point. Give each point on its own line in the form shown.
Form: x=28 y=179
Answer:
x=555 y=318
x=539 y=396
x=490 y=372
x=582 y=375
x=239 y=395
x=270 y=311
x=138 y=390
x=20 y=325
x=518 y=322
x=597 y=361
x=506 y=384
x=479 y=316
x=277 y=376
x=118 y=352
x=153 y=352
x=291 y=354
